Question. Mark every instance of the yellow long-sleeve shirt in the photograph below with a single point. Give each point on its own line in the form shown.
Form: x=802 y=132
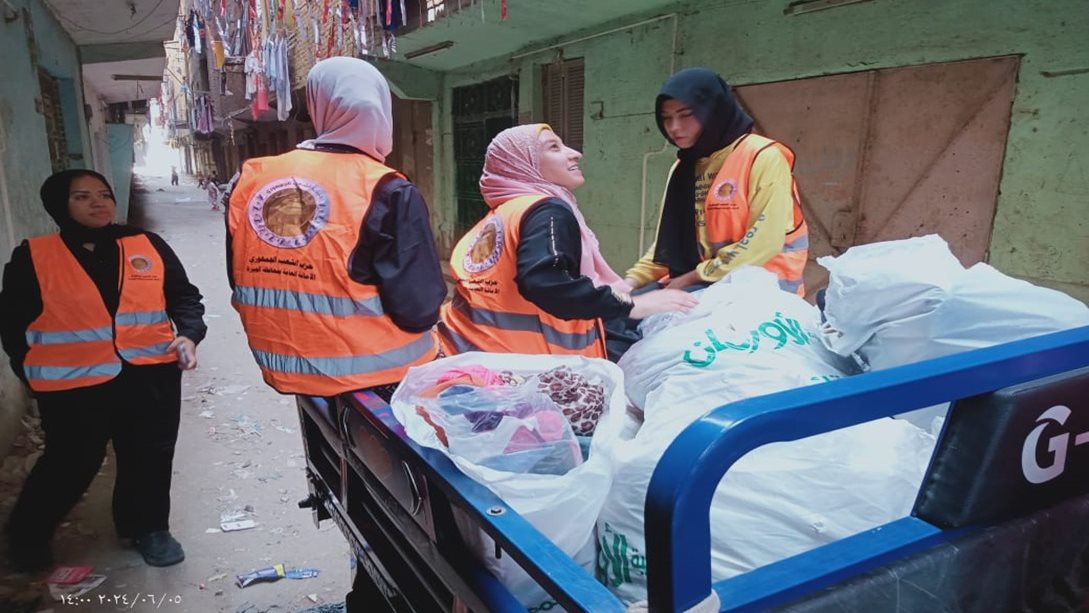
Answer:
x=771 y=216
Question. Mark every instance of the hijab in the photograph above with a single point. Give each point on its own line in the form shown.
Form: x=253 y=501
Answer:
x=722 y=121
x=54 y=194
x=349 y=103
x=512 y=168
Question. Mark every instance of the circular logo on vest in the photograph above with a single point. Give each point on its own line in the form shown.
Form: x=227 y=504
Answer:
x=289 y=212
x=140 y=263
x=486 y=247
x=726 y=189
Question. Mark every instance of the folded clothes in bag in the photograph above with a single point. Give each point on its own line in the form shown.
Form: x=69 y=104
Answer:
x=514 y=429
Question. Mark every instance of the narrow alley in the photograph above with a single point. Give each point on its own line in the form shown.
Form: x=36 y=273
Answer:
x=239 y=457
x=749 y=305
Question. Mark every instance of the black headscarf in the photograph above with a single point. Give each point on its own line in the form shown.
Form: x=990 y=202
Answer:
x=54 y=195
x=722 y=121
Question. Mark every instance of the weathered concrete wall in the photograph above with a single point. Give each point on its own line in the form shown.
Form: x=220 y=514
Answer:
x=33 y=40
x=1041 y=230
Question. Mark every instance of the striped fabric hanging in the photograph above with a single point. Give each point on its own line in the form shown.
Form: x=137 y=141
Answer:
x=324 y=31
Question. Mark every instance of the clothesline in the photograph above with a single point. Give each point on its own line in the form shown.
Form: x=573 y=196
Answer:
x=272 y=39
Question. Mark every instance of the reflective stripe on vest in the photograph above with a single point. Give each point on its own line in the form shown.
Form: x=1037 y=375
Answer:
x=346 y=365
x=143 y=318
x=304 y=302
x=519 y=322
x=135 y=354
x=67 y=373
x=454 y=343
x=800 y=243
x=790 y=286
x=37 y=337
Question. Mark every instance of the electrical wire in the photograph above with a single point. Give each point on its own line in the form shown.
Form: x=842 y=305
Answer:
x=67 y=20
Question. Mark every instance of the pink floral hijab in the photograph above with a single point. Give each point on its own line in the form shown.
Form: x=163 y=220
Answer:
x=512 y=168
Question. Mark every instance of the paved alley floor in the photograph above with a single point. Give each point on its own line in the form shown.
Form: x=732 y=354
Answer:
x=239 y=453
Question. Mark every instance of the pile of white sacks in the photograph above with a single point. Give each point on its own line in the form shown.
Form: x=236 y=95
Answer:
x=887 y=304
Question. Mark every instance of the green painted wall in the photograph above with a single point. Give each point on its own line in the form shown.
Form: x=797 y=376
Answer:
x=1041 y=230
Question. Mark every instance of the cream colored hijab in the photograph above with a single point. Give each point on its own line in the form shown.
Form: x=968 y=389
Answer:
x=349 y=103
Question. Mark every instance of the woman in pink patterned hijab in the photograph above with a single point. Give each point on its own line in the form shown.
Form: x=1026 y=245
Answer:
x=529 y=277
x=513 y=167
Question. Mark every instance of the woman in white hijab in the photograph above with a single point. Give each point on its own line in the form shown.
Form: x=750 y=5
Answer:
x=330 y=252
x=349 y=104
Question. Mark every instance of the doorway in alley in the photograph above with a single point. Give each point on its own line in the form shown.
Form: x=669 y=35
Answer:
x=480 y=112
x=893 y=153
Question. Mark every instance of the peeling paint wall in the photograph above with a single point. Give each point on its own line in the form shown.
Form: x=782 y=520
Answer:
x=33 y=40
x=1041 y=230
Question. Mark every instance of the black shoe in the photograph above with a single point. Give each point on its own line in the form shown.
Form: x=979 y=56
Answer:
x=159 y=548
x=29 y=558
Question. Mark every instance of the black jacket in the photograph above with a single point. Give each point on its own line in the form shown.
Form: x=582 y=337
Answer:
x=549 y=252
x=21 y=296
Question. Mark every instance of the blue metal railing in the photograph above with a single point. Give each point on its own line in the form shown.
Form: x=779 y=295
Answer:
x=681 y=489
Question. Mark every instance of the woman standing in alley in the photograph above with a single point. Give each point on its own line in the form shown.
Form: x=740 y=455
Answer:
x=98 y=320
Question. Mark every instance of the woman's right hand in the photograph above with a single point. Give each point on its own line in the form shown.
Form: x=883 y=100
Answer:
x=662 y=301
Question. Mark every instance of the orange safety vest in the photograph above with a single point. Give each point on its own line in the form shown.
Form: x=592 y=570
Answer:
x=727 y=212
x=488 y=313
x=294 y=221
x=75 y=342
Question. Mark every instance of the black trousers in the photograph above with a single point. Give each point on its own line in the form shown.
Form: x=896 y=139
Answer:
x=139 y=411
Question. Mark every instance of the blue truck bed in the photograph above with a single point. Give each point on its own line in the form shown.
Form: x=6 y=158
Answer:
x=1009 y=481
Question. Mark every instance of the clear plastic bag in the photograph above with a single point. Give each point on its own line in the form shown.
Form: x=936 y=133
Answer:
x=513 y=429
x=564 y=507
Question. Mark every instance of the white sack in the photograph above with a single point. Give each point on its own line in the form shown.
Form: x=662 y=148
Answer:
x=932 y=307
x=984 y=308
x=781 y=499
x=746 y=337
x=873 y=285
x=562 y=507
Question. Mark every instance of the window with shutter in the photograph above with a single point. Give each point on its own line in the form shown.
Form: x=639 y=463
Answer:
x=479 y=112
x=563 y=86
x=54 y=121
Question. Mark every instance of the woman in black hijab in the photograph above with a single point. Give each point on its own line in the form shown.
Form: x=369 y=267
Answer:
x=731 y=198
x=117 y=379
